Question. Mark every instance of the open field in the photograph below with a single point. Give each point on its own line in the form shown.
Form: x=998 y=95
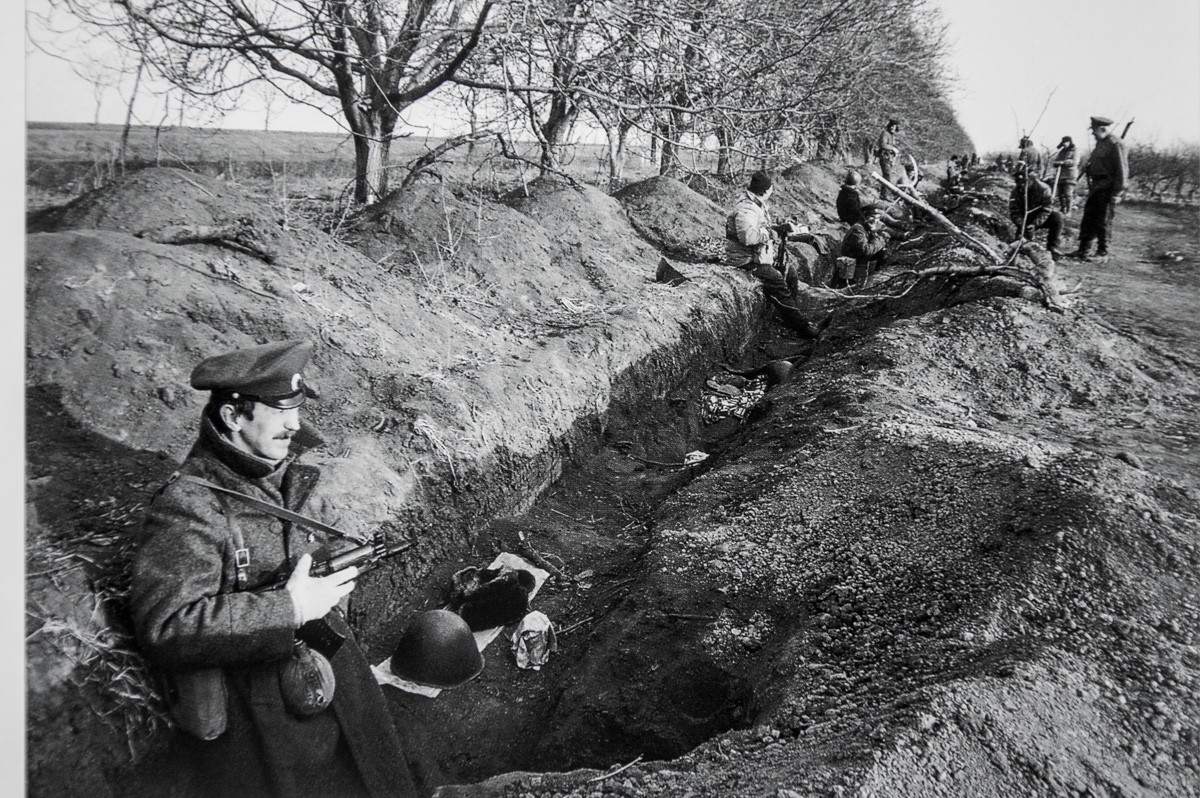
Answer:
x=66 y=160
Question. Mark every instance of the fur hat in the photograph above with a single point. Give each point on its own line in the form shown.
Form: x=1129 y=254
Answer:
x=760 y=182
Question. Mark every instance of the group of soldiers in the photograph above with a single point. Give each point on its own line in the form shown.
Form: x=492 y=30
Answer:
x=1032 y=202
x=756 y=245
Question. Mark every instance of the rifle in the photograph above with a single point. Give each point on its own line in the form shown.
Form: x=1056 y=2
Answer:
x=318 y=633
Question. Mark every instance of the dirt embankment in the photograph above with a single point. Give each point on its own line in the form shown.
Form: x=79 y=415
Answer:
x=465 y=349
x=944 y=558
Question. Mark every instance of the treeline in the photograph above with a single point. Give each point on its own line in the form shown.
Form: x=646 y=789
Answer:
x=1165 y=173
x=741 y=83
x=752 y=82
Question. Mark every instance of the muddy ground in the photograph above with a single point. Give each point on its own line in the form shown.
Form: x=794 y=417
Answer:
x=954 y=554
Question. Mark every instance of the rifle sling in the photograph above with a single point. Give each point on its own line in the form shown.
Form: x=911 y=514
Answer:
x=274 y=509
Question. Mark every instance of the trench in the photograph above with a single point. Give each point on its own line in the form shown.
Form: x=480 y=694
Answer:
x=594 y=522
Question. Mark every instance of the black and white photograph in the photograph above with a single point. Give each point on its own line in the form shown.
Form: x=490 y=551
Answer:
x=605 y=399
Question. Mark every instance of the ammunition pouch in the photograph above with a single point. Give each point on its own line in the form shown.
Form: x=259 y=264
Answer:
x=196 y=701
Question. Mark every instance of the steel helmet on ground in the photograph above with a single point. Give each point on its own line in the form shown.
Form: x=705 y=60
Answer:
x=437 y=649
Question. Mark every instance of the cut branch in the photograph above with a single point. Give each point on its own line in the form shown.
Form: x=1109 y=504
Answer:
x=953 y=229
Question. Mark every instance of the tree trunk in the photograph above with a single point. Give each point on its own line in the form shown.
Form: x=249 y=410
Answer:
x=617 y=133
x=556 y=130
x=137 y=82
x=372 y=130
x=724 y=152
x=669 y=165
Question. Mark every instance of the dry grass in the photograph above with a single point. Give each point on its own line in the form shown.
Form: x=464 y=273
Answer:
x=110 y=672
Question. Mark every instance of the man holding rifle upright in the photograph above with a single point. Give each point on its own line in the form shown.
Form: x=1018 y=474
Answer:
x=260 y=669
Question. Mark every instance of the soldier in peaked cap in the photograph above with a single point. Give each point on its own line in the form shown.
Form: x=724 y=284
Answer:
x=1107 y=170
x=260 y=713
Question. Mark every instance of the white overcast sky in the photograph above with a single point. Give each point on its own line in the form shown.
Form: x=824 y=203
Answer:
x=1116 y=58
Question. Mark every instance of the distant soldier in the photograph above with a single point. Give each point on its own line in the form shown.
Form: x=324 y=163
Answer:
x=1031 y=207
x=954 y=173
x=1066 y=171
x=1107 y=171
x=866 y=242
x=1031 y=156
x=887 y=152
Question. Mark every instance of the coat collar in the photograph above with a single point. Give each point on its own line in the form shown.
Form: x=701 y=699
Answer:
x=292 y=481
x=215 y=445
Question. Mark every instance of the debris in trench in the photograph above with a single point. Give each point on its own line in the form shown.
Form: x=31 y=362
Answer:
x=483 y=638
x=491 y=597
x=241 y=234
x=730 y=396
x=534 y=641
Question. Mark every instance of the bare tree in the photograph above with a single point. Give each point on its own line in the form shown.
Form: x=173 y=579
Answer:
x=364 y=61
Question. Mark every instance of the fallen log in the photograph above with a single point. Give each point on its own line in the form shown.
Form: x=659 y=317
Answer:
x=240 y=234
x=937 y=216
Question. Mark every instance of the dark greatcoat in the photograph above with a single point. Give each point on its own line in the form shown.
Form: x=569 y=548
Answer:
x=849 y=205
x=189 y=614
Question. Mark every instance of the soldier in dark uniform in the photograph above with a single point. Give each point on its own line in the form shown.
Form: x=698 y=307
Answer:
x=1107 y=171
x=263 y=714
x=1031 y=207
x=866 y=242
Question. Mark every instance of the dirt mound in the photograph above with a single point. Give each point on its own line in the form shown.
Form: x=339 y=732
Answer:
x=674 y=218
x=476 y=247
x=161 y=198
x=591 y=230
x=897 y=586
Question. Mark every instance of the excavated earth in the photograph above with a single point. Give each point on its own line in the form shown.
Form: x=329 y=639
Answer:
x=954 y=554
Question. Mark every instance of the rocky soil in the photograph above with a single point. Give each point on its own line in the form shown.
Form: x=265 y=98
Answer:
x=954 y=554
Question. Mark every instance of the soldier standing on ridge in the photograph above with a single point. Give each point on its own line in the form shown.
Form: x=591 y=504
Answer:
x=1107 y=171
x=887 y=152
x=1066 y=165
x=1031 y=156
x=263 y=714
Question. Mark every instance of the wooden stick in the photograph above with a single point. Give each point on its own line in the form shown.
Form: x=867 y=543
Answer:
x=957 y=232
x=615 y=772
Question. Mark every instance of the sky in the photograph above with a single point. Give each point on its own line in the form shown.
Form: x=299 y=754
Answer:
x=1118 y=58
x=1122 y=59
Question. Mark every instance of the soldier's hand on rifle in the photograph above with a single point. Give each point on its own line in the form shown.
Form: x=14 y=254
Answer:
x=315 y=596
x=784 y=229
